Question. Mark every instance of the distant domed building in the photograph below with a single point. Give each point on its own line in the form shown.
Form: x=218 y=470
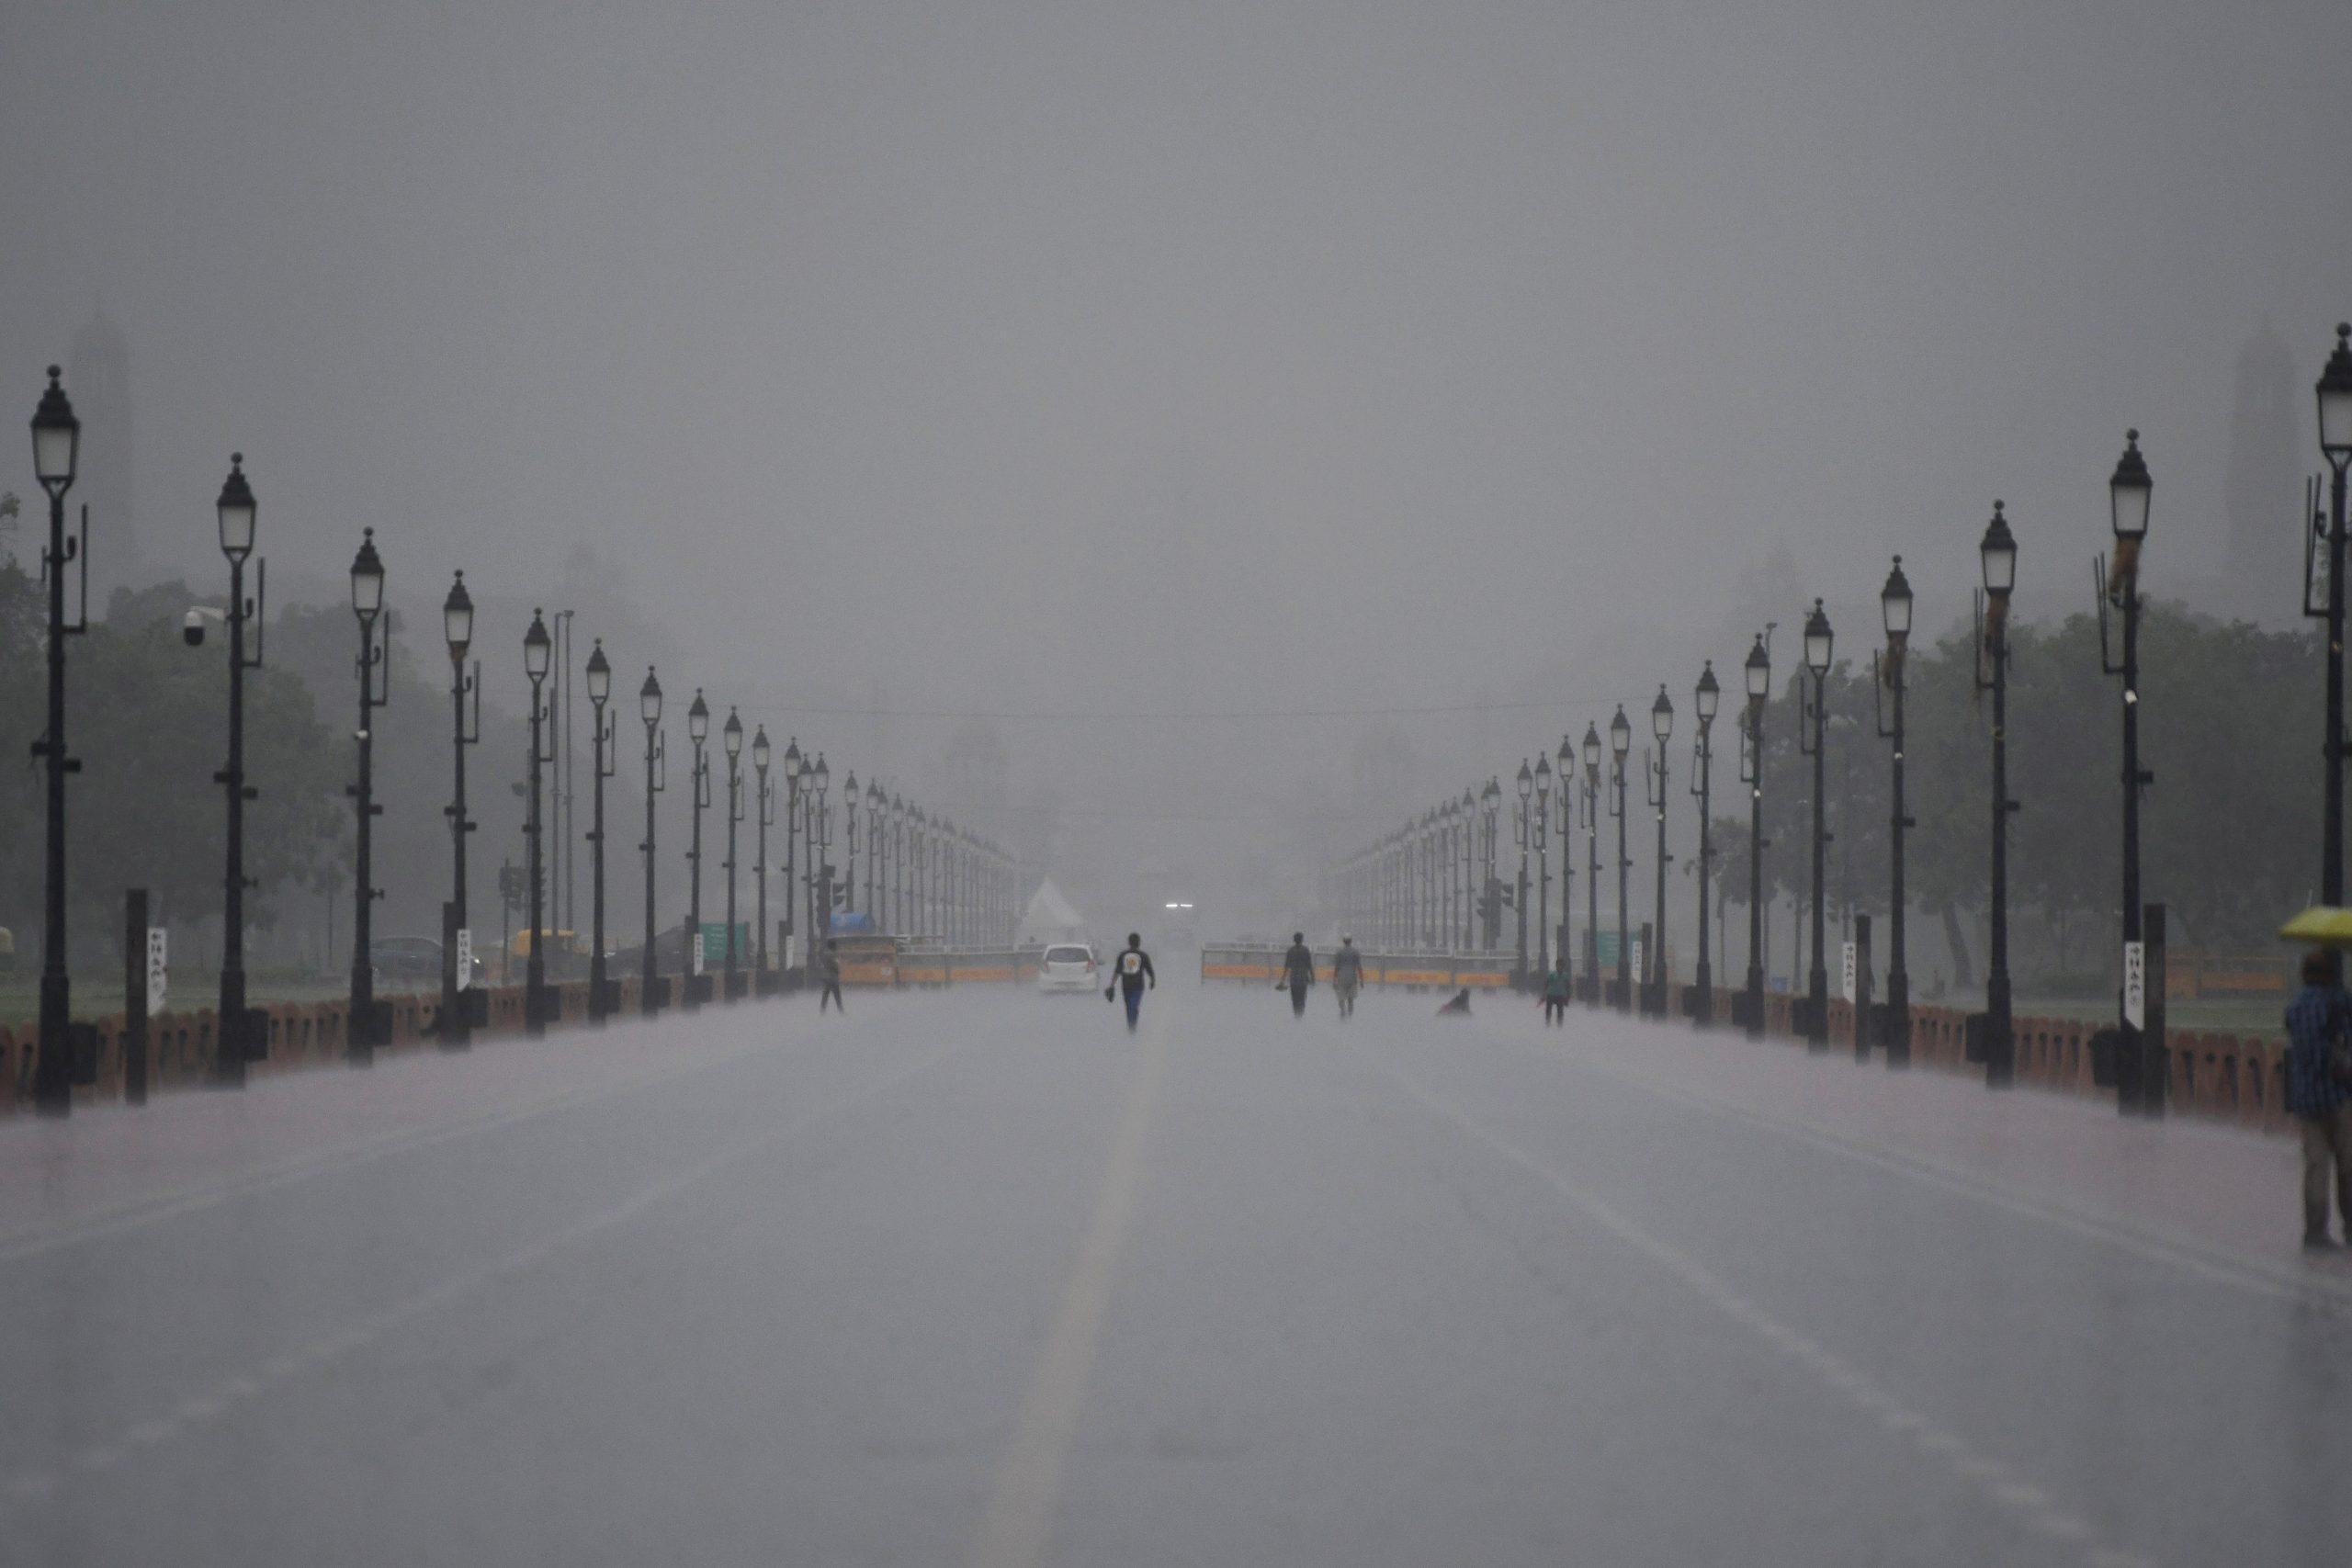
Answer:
x=98 y=377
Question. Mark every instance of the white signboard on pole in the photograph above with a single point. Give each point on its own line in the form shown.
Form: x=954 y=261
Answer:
x=1641 y=971
x=1850 y=975
x=697 y=952
x=158 y=971
x=2135 y=984
x=464 y=957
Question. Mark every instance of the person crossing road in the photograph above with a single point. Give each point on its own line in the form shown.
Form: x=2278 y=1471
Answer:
x=1347 y=974
x=1131 y=972
x=1298 y=973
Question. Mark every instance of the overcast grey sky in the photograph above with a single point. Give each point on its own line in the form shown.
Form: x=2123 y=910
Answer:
x=1016 y=357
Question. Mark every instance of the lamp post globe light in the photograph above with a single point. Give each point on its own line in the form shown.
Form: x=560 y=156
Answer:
x=648 y=708
x=2140 y=1066
x=1997 y=554
x=455 y=1026
x=1757 y=672
x=57 y=446
x=235 y=510
x=1654 y=961
x=1704 y=701
x=604 y=759
x=2334 y=391
x=375 y=671
x=1621 y=741
x=698 y=737
x=764 y=817
x=1814 y=729
x=536 y=651
x=1894 y=616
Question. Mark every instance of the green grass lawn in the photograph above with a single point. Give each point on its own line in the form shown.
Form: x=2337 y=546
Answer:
x=2223 y=1015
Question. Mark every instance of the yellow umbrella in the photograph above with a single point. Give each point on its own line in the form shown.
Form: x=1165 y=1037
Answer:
x=2323 y=925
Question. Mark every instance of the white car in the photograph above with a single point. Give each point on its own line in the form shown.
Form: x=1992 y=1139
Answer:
x=1068 y=966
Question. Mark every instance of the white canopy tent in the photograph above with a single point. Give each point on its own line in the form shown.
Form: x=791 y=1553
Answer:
x=1050 y=918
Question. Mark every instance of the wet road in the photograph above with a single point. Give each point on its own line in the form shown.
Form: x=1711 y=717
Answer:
x=977 y=1278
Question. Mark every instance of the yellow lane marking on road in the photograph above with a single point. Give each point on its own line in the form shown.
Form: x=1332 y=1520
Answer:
x=1020 y=1520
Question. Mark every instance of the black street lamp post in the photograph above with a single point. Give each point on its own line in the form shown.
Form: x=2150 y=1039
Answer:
x=1654 y=961
x=698 y=736
x=374 y=687
x=1758 y=672
x=235 y=1020
x=1621 y=741
x=2334 y=391
x=732 y=736
x=821 y=870
x=456 y=1029
x=1591 y=747
x=1812 y=735
x=894 y=884
x=1706 y=700
x=604 y=758
x=849 y=803
x=649 y=703
x=877 y=847
x=1564 y=828
x=2141 y=1064
x=1523 y=832
x=1490 y=800
x=535 y=652
x=1891 y=680
x=765 y=819
x=1999 y=553
x=1540 y=816
x=792 y=899
x=57 y=441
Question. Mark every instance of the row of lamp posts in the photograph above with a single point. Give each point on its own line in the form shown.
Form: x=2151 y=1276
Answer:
x=1378 y=882
x=960 y=879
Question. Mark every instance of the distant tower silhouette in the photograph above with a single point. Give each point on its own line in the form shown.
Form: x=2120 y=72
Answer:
x=2263 y=558
x=97 y=373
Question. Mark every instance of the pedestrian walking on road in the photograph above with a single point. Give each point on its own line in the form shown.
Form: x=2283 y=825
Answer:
x=829 y=970
x=1347 y=976
x=1298 y=973
x=2319 y=1093
x=1131 y=972
x=1556 y=994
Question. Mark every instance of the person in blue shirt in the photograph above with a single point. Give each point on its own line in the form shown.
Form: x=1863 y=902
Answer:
x=2319 y=1093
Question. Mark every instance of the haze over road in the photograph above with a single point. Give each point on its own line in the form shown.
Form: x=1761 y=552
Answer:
x=971 y=1278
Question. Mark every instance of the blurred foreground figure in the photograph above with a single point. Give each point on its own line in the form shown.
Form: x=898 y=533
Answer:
x=1347 y=976
x=1459 y=1007
x=2319 y=1093
x=1555 y=993
x=1130 y=971
x=1298 y=973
